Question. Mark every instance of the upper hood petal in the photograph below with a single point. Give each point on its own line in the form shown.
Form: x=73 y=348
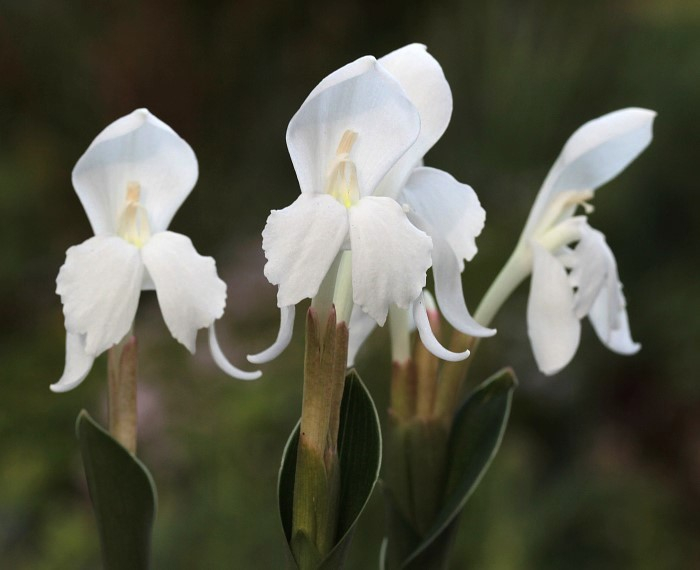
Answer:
x=597 y=152
x=361 y=97
x=136 y=148
x=422 y=78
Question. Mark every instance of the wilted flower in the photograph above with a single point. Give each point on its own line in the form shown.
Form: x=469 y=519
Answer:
x=131 y=181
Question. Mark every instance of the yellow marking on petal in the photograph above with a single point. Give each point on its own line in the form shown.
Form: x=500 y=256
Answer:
x=342 y=177
x=132 y=224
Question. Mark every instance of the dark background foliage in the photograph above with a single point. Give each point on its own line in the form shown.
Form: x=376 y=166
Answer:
x=600 y=467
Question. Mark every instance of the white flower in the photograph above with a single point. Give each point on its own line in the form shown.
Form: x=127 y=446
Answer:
x=347 y=135
x=569 y=284
x=131 y=181
x=445 y=209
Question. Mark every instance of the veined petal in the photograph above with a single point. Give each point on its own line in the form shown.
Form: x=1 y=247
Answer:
x=390 y=256
x=448 y=290
x=283 y=337
x=99 y=285
x=424 y=82
x=190 y=294
x=137 y=148
x=301 y=242
x=78 y=364
x=597 y=152
x=552 y=326
x=361 y=97
x=449 y=207
x=361 y=326
x=427 y=337
x=223 y=362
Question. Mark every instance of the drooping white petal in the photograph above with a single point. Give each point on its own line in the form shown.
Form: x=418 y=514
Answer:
x=284 y=337
x=136 y=148
x=449 y=207
x=448 y=291
x=361 y=326
x=361 y=97
x=618 y=338
x=390 y=256
x=99 y=285
x=420 y=316
x=597 y=152
x=223 y=362
x=552 y=326
x=78 y=364
x=424 y=82
x=590 y=263
x=300 y=243
x=190 y=294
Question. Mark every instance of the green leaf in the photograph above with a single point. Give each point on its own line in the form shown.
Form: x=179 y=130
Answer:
x=123 y=496
x=474 y=440
x=360 y=452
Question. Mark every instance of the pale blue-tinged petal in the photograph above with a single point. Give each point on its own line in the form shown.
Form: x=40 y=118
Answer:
x=284 y=337
x=223 y=362
x=597 y=152
x=190 y=294
x=449 y=207
x=300 y=243
x=78 y=364
x=390 y=256
x=552 y=326
x=427 y=337
x=100 y=285
x=422 y=78
x=361 y=97
x=361 y=326
x=136 y=148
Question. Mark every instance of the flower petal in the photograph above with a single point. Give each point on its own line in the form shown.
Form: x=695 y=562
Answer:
x=136 y=148
x=361 y=97
x=301 y=242
x=390 y=256
x=99 y=285
x=78 y=364
x=617 y=338
x=449 y=207
x=591 y=262
x=448 y=290
x=552 y=326
x=360 y=327
x=422 y=78
x=284 y=337
x=427 y=337
x=596 y=153
x=223 y=362
x=190 y=294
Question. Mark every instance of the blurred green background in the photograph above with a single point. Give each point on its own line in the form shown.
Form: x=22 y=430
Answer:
x=600 y=467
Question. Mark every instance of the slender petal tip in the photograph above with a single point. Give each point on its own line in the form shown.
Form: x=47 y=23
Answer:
x=223 y=363
x=284 y=337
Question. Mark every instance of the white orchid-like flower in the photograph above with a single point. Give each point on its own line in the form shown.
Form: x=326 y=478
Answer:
x=131 y=181
x=445 y=209
x=354 y=143
x=569 y=283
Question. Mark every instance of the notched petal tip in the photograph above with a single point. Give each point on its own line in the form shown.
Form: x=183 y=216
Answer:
x=420 y=315
x=223 y=363
x=284 y=337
